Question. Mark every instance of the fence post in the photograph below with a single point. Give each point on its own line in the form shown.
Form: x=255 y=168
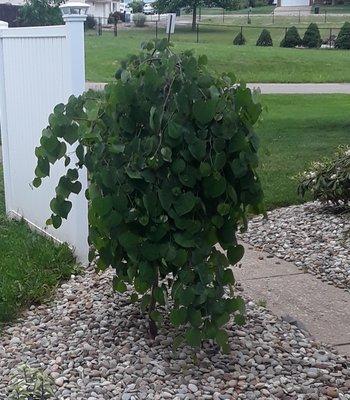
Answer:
x=156 y=29
x=330 y=36
x=200 y=13
x=4 y=127
x=115 y=26
x=197 y=33
x=299 y=17
x=76 y=64
x=325 y=15
x=248 y=20
x=223 y=15
x=273 y=17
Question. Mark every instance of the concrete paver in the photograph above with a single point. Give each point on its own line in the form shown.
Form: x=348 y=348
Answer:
x=323 y=309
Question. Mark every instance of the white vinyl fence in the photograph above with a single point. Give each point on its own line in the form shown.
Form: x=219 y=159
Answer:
x=39 y=68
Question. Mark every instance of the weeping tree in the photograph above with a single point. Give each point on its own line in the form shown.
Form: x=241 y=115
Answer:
x=172 y=158
x=164 y=6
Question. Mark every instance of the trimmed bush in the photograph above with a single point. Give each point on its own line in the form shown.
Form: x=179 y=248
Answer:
x=329 y=180
x=312 y=37
x=90 y=22
x=239 y=40
x=172 y=158
x=291 y=38
x=343 y=39
x=139 y=20
x=264 y=39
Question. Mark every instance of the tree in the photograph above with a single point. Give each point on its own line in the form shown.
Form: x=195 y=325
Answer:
x=239 y=40
x=292 y=38
x=343 y=39
x=264 y=39
x=164 y=6
x=137 y=6
x=40 y=13
x=312 y=37
x=172 y=158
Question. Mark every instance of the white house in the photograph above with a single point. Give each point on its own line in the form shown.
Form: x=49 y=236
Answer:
x=294 y=3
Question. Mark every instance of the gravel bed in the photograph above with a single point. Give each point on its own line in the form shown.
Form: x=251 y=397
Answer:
x=315 y=238
x=94 y=344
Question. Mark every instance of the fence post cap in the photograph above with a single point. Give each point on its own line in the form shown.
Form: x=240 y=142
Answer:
x=74 y=10
x=3 y=25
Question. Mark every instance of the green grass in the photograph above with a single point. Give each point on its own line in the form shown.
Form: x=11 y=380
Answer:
x=30 y=265
x=296 y=130
x=336 y=9
x=219 y=11
x=249 y=63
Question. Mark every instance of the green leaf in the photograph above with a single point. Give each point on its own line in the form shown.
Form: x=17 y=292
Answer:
x=205 y=169
x=204 y=111
x=222 y=340
x=119 y=285
x=102 y=205
x=128 y=240
x=198 y=149
x=178 y=316
x=185 y=203
x=166 y=153
x=194 y=337
x=174 y=130
x=214 y=186
x=235 y=253
x=166 y=198
x=195 y=318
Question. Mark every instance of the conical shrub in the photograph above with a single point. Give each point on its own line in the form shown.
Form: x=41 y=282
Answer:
x=343 y=39
x=312 y=37
x=264 y=39
x=291 y=38
x=239 y=40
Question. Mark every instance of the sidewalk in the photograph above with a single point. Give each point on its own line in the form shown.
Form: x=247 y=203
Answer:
x=276 y=88
x=320 y=309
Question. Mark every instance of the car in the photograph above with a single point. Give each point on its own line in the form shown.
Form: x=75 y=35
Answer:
x=148 y=9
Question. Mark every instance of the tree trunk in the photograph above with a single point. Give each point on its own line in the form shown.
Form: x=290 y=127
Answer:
x=194 y=17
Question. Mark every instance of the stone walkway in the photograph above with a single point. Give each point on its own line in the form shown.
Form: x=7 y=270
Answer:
x=300 y=298
x=277 y=88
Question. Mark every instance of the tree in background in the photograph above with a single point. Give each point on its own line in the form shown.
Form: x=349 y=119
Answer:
x=137 y=6
x=343 y=39
x=40 y=13
x=312 y=37
x=264 y=39
x=164 y=6
x=292 y=38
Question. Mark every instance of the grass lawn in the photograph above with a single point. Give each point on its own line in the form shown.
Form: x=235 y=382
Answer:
x=250 y=63
x=30 y=265
x=296 y=130
x=220 y=11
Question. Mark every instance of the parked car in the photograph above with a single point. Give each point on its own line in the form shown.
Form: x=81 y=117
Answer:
x=148 y=9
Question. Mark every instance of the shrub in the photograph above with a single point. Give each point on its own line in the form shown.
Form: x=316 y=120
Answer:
x=329 y=180
x=312 y=37
x=291 y=38
x=264 y=39
x=171 y=157
x=343 y=39
x=137 y=6
x=30 y=383
x=139 y=20
x=239 y=40
x=40 y=13
x=90 y=22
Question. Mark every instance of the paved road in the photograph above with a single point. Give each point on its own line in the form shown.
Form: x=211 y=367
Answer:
x=277 y=88
x=298 y=297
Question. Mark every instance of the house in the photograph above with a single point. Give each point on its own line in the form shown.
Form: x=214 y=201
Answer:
x=294 y=3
